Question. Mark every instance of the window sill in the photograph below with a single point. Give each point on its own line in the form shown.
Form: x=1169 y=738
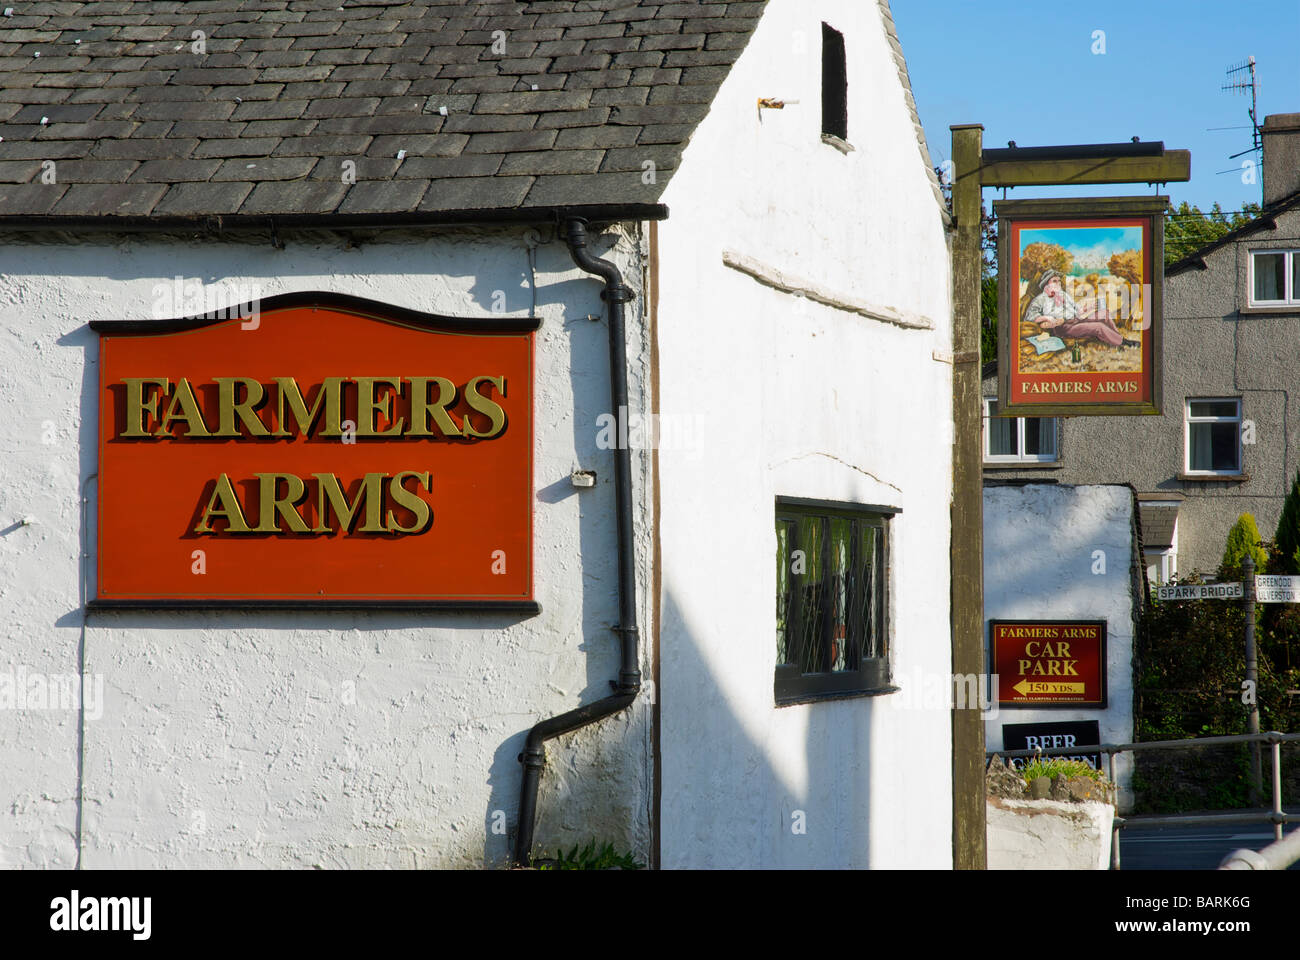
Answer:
x=1022 y=464
x=843 y=146
x=836 y=695
x=1255 y=309
x=1214 y=477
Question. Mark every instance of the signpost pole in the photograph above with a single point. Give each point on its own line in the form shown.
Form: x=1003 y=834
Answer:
x=1252 y=673
x=968 y=797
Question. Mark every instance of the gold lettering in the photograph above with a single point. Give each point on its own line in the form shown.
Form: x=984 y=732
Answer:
x=230 y=407
x=411 y=501
x=223 y=503
x=421 y=407
x=183 y=397
x=137 y=406
x=483 y=405
x=270 y=503
x=368 y=406
x=330 y=391
x=330 y=496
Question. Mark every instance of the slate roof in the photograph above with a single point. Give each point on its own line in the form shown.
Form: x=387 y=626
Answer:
x=497 y=104
x=1158 y=525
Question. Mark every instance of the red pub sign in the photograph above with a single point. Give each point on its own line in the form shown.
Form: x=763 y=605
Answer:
x=316 y=450
x=1049 y=662
x=1080 y=286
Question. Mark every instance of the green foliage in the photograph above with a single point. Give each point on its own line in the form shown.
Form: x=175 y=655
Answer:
x=1059 y=767
x=1187 y=229
x=988 y=272
x=1287 y=537
x=988 y=319
x=1191 y=661
x=1243 y=538
x=590 y=857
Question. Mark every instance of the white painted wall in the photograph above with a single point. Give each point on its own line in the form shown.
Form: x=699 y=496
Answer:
x=226 y=738
x=802 y=400
x=1048 y=834
x=1039 y=561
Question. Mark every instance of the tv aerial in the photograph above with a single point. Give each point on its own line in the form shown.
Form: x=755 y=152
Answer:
x=1242 y=78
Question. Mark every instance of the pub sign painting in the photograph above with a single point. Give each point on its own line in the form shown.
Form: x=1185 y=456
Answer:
x=316 y=450
x=1079 y=306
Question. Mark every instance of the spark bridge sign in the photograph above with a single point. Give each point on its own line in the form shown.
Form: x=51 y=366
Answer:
x=315 y=451
x=1049 y=662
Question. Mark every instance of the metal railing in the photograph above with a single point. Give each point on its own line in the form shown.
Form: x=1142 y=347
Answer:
x=1273 y=857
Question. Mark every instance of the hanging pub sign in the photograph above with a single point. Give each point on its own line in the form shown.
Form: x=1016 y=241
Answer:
x=316 y=450
x=1049 y=663
x=1079 y=301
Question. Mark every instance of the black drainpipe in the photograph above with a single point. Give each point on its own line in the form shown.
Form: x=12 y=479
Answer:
x=615 y=294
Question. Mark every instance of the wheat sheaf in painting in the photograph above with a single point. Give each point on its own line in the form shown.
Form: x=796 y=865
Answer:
x=1080 y=305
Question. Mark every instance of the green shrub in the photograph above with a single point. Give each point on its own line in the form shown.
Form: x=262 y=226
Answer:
x=1059 y=767
x=589 y=857
x=1243 y=539
x=1288 y=531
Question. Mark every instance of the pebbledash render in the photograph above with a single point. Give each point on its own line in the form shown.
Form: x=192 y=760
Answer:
x=1226 y=443
x=782 y=276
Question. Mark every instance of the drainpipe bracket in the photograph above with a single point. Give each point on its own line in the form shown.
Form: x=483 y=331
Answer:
x=617 y=294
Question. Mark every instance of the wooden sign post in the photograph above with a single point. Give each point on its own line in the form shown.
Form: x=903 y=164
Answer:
x=973 y=169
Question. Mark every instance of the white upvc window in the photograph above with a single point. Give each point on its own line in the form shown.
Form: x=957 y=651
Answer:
x=1213 y=435
x=1160 y=566
x=1274 y=278
x=1018 y=440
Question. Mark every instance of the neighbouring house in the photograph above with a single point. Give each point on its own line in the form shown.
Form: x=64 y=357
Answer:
x=1228 y=441
x=707 y=241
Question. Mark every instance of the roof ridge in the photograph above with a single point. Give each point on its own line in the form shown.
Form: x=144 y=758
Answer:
x=891 y=35
x=1268 y=213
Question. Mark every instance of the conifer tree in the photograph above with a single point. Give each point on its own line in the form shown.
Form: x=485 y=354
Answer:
x=1243 y=538
x=1288 y=530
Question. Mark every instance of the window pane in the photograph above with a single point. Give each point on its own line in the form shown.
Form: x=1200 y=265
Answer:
x=1295 y=277
x=783 y=581
x=1212 y=446
x=841 y=567
x=869 y=567
x=1223 y=445
x=1002 y=433
x=1270 y=276
x=812 y=595
x=1040 y=436
x=1214 y=408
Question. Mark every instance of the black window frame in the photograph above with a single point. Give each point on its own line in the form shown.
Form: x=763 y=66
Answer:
x=872 y=675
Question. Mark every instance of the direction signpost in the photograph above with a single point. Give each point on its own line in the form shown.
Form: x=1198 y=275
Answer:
x=1277 y=589
x=1266 y=588
x=1204 y=591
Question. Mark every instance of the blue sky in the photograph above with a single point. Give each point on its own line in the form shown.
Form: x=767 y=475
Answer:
x=1027 y=71
x=1082 y=242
